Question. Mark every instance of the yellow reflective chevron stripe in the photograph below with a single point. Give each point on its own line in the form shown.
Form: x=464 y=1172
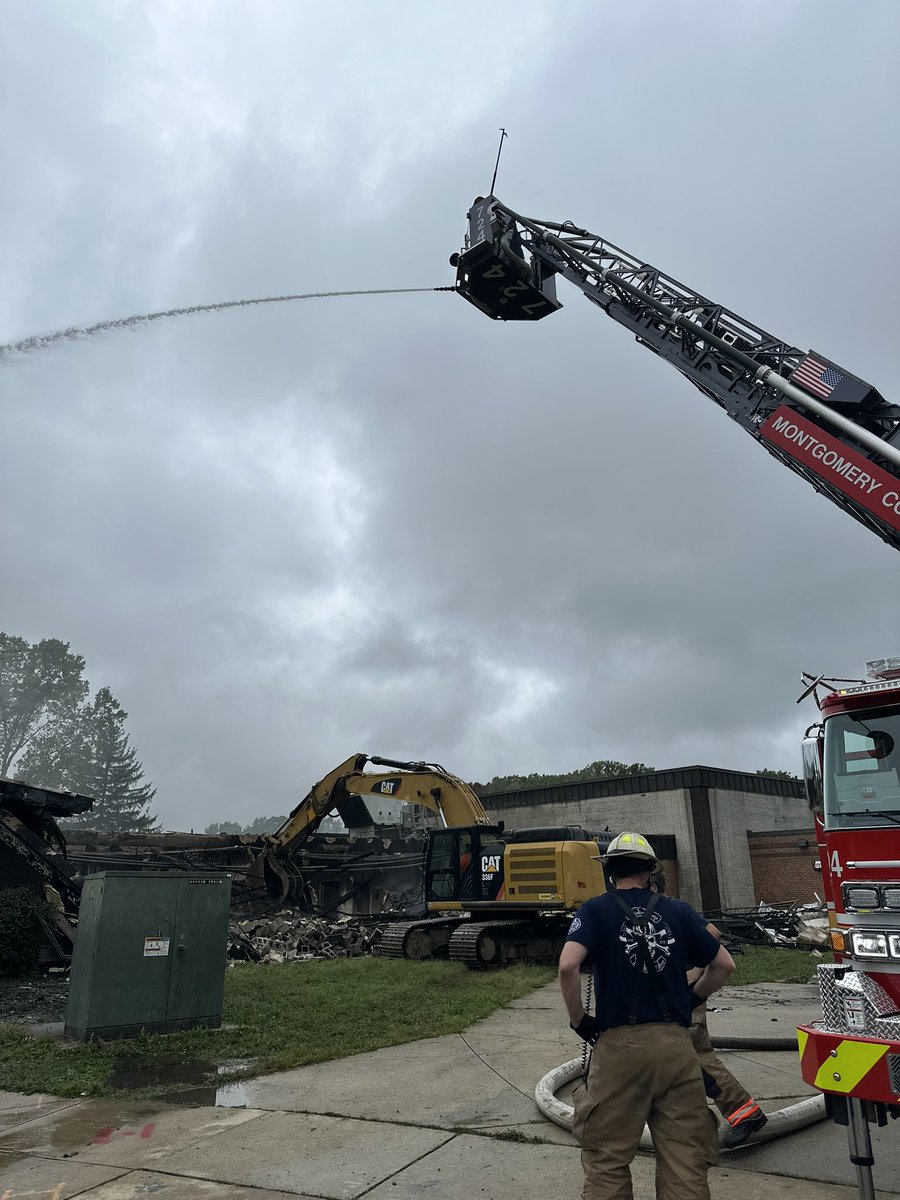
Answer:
x=852 y=1061
x=802 y=1039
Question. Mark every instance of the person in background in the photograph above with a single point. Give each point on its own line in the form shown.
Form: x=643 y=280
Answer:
x=734 y=1102
x=643 y=1066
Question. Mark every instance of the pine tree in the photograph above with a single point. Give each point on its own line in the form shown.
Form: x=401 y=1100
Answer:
x=104 y=765
x=52 y=735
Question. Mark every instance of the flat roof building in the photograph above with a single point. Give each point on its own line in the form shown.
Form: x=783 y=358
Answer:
x=711 y=814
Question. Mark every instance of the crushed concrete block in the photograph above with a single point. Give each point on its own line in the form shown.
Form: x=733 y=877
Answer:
x=294 y=936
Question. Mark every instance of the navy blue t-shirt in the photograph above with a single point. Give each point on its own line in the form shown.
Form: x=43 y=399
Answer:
x=676 y=939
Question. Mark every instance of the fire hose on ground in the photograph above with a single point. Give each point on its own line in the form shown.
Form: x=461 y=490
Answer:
x=780 y=1123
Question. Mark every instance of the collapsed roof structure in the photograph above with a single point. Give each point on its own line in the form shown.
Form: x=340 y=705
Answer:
x=33 y=853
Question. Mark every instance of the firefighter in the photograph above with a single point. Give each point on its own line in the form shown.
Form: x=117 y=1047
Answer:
x=643 y=1066
x=734 y=1102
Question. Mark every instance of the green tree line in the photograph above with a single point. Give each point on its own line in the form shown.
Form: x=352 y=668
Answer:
x=258 y=825
x=603 y=768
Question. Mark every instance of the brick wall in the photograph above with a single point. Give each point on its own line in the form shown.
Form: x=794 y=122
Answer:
x=783 y=865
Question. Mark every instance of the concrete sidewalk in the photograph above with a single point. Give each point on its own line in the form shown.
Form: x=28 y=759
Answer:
x=450 y=1117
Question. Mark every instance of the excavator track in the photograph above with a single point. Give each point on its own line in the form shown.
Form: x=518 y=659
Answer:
x=483 y=944
x=418 y=939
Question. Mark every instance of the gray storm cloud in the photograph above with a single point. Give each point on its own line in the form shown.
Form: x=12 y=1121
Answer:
x=285 y=534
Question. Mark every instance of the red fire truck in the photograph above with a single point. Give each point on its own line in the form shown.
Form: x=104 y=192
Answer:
x=851 y=765
x=837 y=432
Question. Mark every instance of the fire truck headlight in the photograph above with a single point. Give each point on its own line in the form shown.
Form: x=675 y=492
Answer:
x=869 y=945
x=894 y=944
x=891 y=897
x=861 y=897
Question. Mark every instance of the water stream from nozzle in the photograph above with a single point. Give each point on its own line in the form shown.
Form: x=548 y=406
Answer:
x=43 y=341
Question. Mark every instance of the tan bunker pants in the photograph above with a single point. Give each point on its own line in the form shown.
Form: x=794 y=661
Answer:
x=733 y=1100
x=645 y=1074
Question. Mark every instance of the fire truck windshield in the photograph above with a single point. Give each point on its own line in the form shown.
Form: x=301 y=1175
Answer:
x=862 y=761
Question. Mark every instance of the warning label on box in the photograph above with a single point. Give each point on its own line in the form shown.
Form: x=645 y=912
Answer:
x=156 y=947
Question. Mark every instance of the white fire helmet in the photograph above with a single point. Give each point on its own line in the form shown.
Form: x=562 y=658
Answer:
x=630 y=845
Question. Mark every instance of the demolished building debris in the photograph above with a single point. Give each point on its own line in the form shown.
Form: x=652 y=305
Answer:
x=291 y=936
x=355 y=885
x=357 y=874
x=790 y=925
x=33 y=854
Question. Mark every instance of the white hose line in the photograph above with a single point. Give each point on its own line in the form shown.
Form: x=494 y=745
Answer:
x=781 y=1122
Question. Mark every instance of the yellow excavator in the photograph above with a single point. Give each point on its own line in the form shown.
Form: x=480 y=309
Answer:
x=493 y=896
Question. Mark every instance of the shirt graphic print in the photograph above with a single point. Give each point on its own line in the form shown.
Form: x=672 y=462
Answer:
x=657 y=935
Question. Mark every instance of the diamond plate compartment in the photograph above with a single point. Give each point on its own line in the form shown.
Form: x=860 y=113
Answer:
x=843 y=992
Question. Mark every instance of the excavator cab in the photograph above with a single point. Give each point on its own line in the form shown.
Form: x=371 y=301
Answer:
x=463 y=866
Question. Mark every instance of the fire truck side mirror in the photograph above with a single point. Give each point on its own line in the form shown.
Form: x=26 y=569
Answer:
x=812 y=772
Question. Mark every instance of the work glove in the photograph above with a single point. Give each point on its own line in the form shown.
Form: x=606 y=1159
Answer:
x=696 y=1000
x=588 y=1029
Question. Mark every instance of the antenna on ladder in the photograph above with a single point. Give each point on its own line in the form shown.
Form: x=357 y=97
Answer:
x=503 y=134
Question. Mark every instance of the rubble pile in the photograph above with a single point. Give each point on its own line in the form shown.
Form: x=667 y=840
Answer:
x=796 y=925
x=291 y=936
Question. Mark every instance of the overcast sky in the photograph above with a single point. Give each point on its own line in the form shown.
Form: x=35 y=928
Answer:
x=286 y=534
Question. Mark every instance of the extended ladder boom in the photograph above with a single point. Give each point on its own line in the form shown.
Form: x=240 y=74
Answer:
x=826 y=424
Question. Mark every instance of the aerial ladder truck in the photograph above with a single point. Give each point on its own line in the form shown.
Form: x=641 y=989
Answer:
x=837 y=432
x=826 y=424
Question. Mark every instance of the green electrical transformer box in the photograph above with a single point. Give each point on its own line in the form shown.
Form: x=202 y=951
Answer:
x=149 y=953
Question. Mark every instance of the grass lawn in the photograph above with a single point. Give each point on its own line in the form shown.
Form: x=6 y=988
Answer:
x=285 y=1016
x=774 y=964
x=295 y=1014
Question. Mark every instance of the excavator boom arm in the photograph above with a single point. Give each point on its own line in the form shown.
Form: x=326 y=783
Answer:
x=412 y=783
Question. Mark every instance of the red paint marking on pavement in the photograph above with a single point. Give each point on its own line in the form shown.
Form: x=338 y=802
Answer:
x=103 y=1136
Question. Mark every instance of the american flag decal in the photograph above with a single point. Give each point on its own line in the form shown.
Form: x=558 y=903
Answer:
x=817 y=377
